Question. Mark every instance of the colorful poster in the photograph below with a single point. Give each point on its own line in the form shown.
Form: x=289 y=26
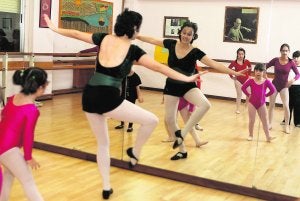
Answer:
x=86 y=15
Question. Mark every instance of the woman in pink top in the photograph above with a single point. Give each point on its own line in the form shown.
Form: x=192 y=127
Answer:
x=17 y=124
x=257 y=99
x=240 y=64
x=282 y=67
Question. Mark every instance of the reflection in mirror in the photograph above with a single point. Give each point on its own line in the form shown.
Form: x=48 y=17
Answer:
x=277 y=163
x=228 y=156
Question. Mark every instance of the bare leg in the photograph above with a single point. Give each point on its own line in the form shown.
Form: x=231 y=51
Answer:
x=271 y=108
x=284 y=94
x=263 y=115
x=252 y=114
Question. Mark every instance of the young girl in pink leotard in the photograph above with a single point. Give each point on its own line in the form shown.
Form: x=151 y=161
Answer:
x=257 y=99
x=17 y=124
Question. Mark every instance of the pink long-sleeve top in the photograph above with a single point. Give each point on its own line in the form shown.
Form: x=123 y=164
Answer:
x=17 y=127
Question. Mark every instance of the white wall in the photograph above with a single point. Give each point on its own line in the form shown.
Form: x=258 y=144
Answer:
x=278 y=20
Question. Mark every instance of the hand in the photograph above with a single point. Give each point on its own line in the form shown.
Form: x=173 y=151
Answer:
x=241 y=72
x=289 y=83
x=49 y=22
x=33 y=164
x=193 y=78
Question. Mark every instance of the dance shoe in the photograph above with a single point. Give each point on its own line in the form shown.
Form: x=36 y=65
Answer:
x=179 y=156
x=131 y=156
x=106 y=194
x=179 y=139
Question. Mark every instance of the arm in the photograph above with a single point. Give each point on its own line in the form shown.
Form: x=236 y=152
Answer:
x=245 y=86
x=28 y=137
x=231 y=67
x=220 y=67
x=271 y=88
x=153 y=41
x=139 y=94
x=151 y=64
x=71 y=33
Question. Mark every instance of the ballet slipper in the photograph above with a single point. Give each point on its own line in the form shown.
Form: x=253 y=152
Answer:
x=178 y=156
x=270 y=138
x=250 y=138
x=237 y=112
x=132 y=157
x=107 y=193
x=179 y=139
x=201 y=144
x=287 y=130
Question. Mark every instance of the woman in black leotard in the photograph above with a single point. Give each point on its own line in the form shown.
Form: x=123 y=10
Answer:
x=182 y=58
x=101 y=97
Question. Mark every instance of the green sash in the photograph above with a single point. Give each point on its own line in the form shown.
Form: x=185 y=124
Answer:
x=105 y=80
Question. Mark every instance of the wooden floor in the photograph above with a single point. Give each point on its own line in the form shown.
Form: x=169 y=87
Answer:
x=228 y=156
x=62 y=178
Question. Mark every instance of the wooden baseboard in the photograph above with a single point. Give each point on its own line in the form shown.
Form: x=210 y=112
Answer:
x=177 y=176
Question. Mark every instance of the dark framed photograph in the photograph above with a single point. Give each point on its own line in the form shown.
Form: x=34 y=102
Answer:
x=240 y=24
x=45 y=8
x=172 y=26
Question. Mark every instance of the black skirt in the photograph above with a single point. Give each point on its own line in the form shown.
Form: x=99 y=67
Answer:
x=100 y=99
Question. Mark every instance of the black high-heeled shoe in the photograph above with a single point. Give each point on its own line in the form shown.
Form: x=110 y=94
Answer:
x=177 y=143
x=106 y=194
x=131 y=155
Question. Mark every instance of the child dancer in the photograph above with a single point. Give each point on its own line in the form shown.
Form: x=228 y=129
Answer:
x=131 y=91
x=257 y=99
x=18 y=121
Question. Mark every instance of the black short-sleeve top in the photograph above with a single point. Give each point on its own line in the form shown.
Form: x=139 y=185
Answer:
x=134 y=54
x=185 y=65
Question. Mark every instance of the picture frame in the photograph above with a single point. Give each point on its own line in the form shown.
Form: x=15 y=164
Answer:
x=241 y=24
x=45 y=8
x=86 y=15
x=7 y=23
x=172 y=26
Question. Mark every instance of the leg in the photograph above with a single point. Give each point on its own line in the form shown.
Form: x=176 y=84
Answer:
x=7 y=182
x=238 y=88
x=185 y=114
x=251 y=113
x=98 y=124
x=136 y=114
x=262 y=113
x=284 y=94
x=196 y=97
x=271 y=108
x=14 y=163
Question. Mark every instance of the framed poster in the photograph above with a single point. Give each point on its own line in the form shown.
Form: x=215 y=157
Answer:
x=45 y=8
x=172 y=26
x=240 y=24
x=86 y=15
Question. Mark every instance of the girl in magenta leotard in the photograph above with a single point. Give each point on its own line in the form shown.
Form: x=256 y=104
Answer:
x=282 y=66
x=18 y=120
x=240 y=64
x=257 y=99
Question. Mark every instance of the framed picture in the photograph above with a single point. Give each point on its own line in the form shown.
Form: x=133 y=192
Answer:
x=172 y=25
x=86 y=15
x=6 y=23
x=45 y=8
x=240 y=24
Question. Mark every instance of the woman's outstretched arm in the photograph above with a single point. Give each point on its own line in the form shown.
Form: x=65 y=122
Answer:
x=71 y=33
